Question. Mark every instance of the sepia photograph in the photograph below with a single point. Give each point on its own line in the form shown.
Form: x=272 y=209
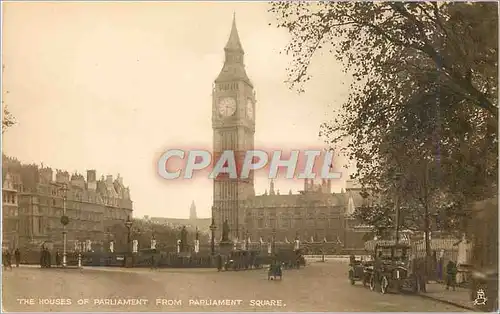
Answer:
x=249 y=156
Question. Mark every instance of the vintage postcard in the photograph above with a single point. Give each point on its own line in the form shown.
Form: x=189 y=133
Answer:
x=249 y=156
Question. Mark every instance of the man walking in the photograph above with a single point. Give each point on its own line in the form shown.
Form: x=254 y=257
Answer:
x=17 y=256
x=153 y=262
x=42 y=258
x=58 y=259
x=7 y=261
x=219 y=262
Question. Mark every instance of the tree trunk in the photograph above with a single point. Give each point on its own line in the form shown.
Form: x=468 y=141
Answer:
x=426 y=232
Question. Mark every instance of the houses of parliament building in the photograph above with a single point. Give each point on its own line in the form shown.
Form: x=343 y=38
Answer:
x=34 y=198
x=314 y=214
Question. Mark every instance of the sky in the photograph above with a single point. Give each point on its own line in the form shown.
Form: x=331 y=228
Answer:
x=111 y=86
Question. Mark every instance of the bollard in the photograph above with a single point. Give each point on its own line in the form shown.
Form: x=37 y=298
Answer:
x=79 y=260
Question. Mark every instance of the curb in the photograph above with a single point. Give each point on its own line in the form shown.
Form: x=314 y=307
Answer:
x=465 y=307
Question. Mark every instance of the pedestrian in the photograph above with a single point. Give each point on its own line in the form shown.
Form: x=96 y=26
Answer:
x=440 y=269
x=58 y=259
x=352 y=260
x=42 y=258
x=48 y=258
x=219 y=262
x=451 y=275
x=4 y=259
x=153 y=266
x=17 y=255
x=8 y=261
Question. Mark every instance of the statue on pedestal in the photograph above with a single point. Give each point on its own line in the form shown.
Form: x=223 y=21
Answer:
x=183 y=239
x=225 y=231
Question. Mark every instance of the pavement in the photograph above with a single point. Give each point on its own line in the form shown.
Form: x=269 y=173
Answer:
x=319 y=287
x=460 y=297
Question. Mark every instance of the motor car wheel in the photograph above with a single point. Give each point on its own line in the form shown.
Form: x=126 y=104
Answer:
x=384 y=285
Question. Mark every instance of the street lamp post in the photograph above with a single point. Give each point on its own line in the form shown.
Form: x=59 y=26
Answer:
x=213 y=227
x=323 y=251
x=128 y=224
x=64 y=222
x=274 y=241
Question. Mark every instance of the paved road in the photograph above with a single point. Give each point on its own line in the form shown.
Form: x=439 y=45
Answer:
x=318 y=287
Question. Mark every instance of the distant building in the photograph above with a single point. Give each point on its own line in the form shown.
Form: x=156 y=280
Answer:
x=203 y=224
x=10 y=214
x=192 y=212
x=92 y=206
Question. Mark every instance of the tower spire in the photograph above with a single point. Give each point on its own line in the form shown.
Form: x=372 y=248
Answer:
x=233 y=42
x=234 y=67
x=192 y=212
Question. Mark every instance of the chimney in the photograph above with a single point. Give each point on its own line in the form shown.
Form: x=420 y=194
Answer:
x=62 y=176
x=91 y=176
x=305 y=185
x=119 y=179
x=46 y=175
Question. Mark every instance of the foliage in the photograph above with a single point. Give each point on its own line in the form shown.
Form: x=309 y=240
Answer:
x=457 y=41
x=420 y=120
x=379 y=216
x=7 y=118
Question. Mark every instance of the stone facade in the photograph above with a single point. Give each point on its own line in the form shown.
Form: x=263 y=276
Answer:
x=315 y=214
x=10 y=214
x=93 y=206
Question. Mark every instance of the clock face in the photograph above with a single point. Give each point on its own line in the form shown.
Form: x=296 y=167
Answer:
x=227 y=106
x=250 y=108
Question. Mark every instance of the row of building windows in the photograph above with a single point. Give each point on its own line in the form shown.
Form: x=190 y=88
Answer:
x=52 y=224
x=58 y=212
x=79 y=198
x=44 y=225
x=54 y=207
x=9 y=198
x=227 y=86
x=297 y=213
x=9 y=212
x=291 y=223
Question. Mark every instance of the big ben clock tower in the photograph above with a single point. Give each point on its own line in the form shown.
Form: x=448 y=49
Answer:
x=233 y=124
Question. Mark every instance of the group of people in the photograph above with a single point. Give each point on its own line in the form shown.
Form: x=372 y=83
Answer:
x=46 y=258
x=7 y=258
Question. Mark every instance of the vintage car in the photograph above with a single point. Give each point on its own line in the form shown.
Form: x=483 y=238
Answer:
x=290 y=258
x=360 y=270
x=393 y=269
